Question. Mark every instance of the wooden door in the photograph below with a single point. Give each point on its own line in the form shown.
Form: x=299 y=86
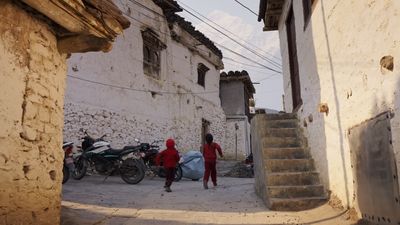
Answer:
x=293 y=61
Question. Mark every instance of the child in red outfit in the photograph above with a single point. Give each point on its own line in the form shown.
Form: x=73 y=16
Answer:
x=169 y=157
x=210 y=160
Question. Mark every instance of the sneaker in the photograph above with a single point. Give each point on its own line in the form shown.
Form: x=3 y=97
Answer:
x=215 y=184
x=205 y=185
x=168 y=189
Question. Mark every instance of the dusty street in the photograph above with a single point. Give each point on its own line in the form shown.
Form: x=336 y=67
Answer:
x=92 y=201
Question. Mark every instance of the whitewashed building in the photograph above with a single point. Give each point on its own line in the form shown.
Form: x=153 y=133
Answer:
x=341 y=77
x=161 y=80
x=237 y=99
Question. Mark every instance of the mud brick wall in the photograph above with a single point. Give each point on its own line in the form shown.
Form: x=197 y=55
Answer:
x=32 y=75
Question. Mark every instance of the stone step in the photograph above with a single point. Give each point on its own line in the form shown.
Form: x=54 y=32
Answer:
x=295 y=204
x=293 y=178
x=277 y=142
x=296 y=191
x=280 y=116
x=289 y=123
x=279 y=132
x=285 y=153
x=289 y=165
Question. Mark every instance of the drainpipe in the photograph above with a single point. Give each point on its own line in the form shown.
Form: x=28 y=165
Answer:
x=236 y=148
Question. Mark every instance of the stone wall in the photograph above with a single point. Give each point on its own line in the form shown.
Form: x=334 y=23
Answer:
x=339 y=54
x=31 y=118
x=116 y=97
x=240 y=149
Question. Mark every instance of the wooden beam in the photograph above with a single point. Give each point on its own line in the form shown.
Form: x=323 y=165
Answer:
x=83 y=43
x=76 y=18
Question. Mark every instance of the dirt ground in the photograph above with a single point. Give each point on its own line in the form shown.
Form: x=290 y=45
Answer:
x=92 y=201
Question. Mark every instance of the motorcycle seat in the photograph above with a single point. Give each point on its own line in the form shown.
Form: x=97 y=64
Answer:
x=114 y=151
x=129 y=147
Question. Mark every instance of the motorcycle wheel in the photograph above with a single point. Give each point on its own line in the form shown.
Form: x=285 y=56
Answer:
x=178 y=173
x=132 y=171
x=80 y=169
x=65 y=174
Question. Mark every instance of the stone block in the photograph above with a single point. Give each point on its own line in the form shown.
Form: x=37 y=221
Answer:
x=31 y=110
x=29 y=133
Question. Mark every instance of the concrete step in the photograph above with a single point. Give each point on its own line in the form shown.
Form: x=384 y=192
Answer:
x=293 y=178
x=289 y=165
x=277 y=142
x=296 y=191
x=279 y=132
x=289 y=123
x=280 y=116
x=285 y=153
x=295 y=204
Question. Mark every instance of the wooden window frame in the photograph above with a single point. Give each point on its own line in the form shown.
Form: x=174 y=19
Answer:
x=152 y=48
x=308 y=8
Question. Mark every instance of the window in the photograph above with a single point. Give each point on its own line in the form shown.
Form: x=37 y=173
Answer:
x=307 y=11
x=201 y=74
x=152 y=48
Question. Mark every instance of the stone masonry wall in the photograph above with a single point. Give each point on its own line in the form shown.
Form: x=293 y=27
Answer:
x=122 y=128
x=339 y=54
x=32 y=75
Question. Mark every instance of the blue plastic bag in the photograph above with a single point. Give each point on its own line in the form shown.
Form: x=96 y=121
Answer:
x=192 y=164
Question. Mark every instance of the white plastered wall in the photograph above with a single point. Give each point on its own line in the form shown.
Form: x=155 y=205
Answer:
x=339 y=55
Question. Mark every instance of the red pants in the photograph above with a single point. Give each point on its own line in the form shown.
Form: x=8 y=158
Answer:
x=210 y=167
x=169 y=176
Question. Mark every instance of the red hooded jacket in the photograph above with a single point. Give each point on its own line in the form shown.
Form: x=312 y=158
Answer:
x=170 y=156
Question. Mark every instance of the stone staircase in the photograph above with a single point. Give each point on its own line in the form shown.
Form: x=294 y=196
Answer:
x=292 y=182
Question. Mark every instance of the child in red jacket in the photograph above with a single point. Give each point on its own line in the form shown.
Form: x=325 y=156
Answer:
x=169 y=157
x=210 y=160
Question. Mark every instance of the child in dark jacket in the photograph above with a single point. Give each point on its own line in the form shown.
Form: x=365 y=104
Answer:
x=169 y=157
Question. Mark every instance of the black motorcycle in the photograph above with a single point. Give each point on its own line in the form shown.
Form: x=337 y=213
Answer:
x=98 y=154
x=150 y=152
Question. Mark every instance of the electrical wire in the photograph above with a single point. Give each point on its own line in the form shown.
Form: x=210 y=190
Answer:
x=244 y=6
x=232 y=39
x=230 y=32
x=140 y=90
x=247 y=58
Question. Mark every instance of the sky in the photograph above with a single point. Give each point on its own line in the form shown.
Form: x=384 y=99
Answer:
x=241 y=25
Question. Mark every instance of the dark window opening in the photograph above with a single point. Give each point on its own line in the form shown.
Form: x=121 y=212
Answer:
x=201 y=74
x=152 y=48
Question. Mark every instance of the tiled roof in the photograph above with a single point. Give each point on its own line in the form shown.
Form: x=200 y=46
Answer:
x=170 y=8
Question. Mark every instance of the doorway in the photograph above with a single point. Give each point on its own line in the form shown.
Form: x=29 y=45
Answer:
x=293 y=60
x=205 y=129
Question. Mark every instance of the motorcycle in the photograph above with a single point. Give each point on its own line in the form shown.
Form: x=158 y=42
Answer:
x=68 y=166
x=105 y=160
x=150 y=152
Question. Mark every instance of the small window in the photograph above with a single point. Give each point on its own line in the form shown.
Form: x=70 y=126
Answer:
x=201 y=74
x=152 y=48
x=307 y=11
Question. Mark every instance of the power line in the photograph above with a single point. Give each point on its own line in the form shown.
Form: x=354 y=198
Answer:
x=237 y=42
x=232 y=39
x=245 y=64
x=238 y=54
x=230 y=32
x=246 y=7
x=139 y=90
